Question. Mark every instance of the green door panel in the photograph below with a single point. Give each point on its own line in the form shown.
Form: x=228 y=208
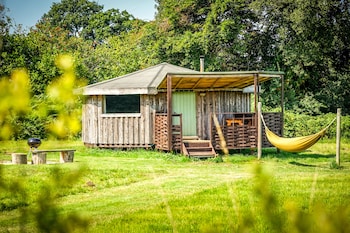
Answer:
x=185 y=103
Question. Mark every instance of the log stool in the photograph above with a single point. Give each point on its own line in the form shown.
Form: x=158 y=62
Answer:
x=66 y=156
x=39 y=157
x=19 y=158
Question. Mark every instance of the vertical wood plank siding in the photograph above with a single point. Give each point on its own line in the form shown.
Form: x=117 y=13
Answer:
x=90 y=120
x=123 y=131
x=218 y=102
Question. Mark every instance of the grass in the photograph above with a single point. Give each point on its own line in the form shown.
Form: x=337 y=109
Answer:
x=149 y=191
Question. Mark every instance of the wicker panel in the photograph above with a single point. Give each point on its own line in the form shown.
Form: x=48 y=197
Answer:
x=237 y=137
x=244 y=135
x=177 y=135
x=274 y=123
x=161 y=132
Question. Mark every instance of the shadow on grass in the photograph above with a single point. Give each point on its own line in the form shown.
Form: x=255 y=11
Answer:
x=301 y=164
x=273 y=153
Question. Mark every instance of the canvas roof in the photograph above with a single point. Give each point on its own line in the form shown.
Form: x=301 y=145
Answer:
x=144 y=81
x=154 y=79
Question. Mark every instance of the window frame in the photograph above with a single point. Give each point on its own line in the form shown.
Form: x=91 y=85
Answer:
x=121 y=114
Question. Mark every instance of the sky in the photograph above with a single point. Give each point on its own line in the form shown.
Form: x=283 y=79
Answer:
x=28 y=12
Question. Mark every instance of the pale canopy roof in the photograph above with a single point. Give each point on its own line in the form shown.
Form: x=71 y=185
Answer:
x=154 y=79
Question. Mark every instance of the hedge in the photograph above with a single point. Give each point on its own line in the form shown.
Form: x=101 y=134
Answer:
x=301 y=124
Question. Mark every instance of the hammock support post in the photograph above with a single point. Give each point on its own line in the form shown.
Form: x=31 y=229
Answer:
x=259 y=132
x=337 y=155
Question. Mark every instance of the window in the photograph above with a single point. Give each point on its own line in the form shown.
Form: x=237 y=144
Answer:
x=122 y=104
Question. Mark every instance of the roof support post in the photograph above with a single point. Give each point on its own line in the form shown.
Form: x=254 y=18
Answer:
x=256 y=102
x=338 y=137
x=282 y=104
x=169 y=111
x=256 y=97
x=259 y=131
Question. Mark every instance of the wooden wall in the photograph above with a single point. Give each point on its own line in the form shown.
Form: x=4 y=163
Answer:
x=120 y=130
x=218 y=102
x=90 y=119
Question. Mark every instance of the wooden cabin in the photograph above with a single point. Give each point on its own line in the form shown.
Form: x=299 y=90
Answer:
x=172 y=108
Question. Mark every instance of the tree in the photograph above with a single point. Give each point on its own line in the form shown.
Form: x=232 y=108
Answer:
x=232 y=35
x=181 y=16
x=312 y=39
x=119 y=55
x=226 y=32
x=4 y=24
x=86 y=19
x=72 y=15
x=36 y=52
x=110 y=23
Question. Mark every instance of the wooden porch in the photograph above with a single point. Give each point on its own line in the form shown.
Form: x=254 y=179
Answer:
x=239 y=130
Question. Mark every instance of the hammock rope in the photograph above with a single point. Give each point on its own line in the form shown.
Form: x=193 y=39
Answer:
x=295 y=144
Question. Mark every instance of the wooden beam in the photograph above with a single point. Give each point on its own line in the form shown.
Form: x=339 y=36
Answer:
x=256 y=97
x=216 y=80
x=196 y=84
x=178 y=83
x=338 y=136
x=282 y=104
x=239 y=83
x=259 y=131
x=169 y=111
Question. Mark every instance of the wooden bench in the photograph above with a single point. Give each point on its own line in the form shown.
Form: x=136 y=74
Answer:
x=66 y=155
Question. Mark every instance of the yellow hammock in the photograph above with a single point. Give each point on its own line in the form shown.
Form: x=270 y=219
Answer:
x=295 y=144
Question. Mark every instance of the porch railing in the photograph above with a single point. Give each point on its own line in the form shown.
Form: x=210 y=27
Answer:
x=240 y=129
x=161 y=134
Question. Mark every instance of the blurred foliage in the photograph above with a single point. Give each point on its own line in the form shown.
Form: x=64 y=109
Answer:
x=43 y=207
x=58 y=113
x=62 y=100
x=14 y=101
x=288 y=217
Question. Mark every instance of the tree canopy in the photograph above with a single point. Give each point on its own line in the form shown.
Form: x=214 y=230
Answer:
x=72 y=15
x=86 y=19
x=312 y=39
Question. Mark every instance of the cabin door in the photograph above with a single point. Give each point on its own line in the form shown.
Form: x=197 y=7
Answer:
x=185 y=103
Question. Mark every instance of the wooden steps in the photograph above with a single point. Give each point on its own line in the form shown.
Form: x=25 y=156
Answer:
x=198 y=148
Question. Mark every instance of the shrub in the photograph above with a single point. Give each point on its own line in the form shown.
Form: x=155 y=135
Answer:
x=301 y=124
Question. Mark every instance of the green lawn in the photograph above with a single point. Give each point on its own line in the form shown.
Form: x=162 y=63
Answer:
x=149 y=191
